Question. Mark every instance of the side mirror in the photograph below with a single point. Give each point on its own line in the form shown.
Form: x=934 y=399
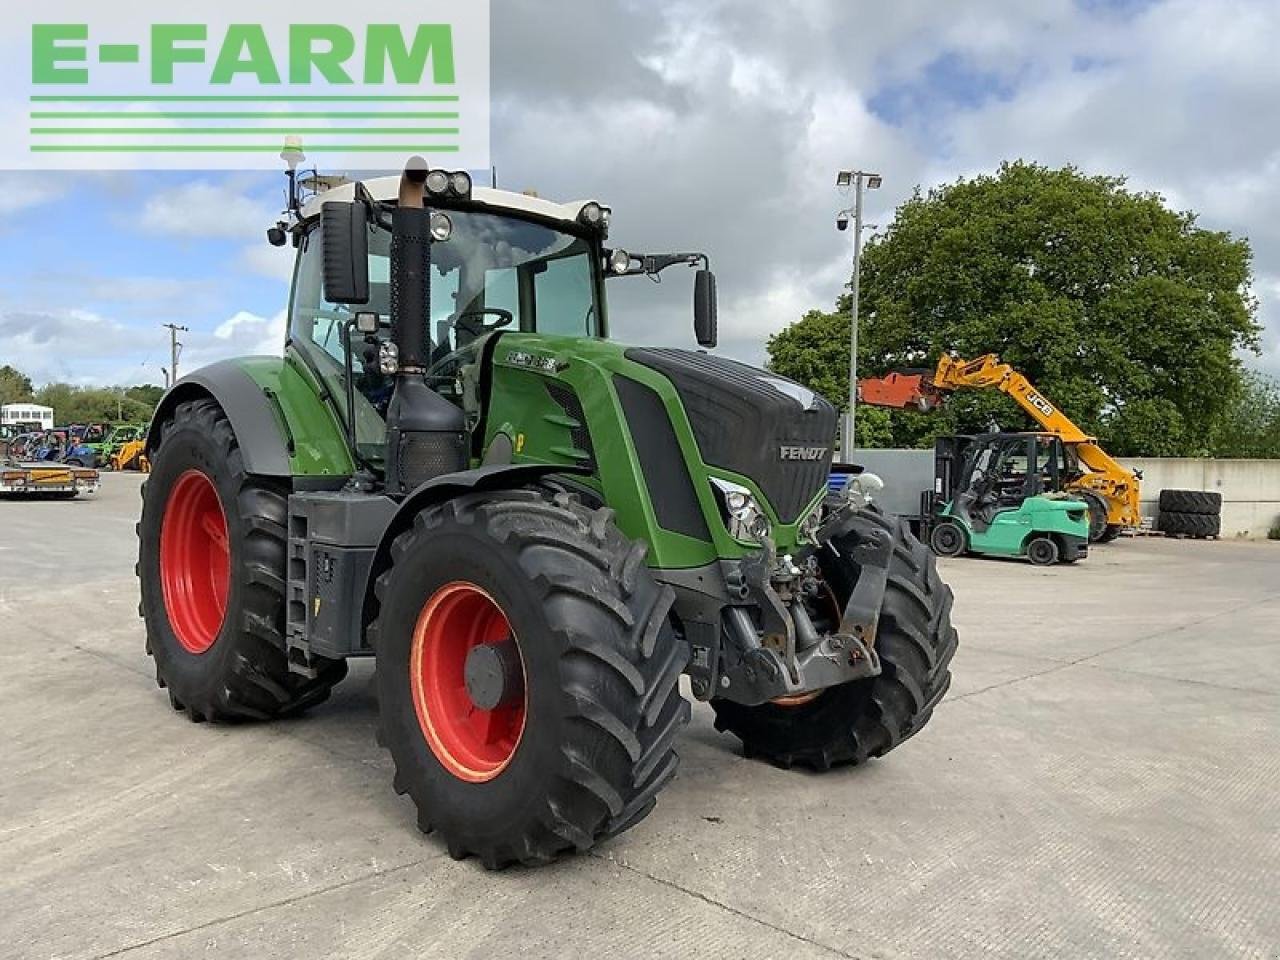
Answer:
x=345 y=232
x=704 y=308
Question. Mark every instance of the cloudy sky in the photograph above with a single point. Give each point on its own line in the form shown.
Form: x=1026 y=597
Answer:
x=714 y=125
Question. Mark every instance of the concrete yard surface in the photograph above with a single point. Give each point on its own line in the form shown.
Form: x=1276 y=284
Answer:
x=1102 y=781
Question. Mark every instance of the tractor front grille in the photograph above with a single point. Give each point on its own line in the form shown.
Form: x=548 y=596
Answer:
x=754 y=423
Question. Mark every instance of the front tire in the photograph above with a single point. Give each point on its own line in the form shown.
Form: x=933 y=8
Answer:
x=1098 y=514
x=211 y=561
x=854 y=722
x=574 y=744
x=948 y=539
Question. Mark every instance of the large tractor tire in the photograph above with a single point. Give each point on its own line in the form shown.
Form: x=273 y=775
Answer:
x=1206 y=502
x=1199 y=526
x=856 y=721
x=1098 y=512
x=211 y=561
x=528 y=676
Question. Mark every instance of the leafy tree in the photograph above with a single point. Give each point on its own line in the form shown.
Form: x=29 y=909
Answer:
x=1251 y=428
x=147 y=393
x=1125 y=313
x=15 y=386
x=72 y=404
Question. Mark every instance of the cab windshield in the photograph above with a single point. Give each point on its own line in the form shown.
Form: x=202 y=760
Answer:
x=494 y=273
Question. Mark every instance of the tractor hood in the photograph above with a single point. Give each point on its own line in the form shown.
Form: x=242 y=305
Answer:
x=753 y=423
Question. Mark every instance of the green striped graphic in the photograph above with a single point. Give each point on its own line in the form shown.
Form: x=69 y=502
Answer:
x=228 y=98
x=236 y=115
x=261 y=131
x=234 y=148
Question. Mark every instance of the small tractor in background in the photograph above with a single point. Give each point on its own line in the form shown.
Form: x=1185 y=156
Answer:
x=1111 y=490
x=120 y=435
x=534 y=530
x=131 y=454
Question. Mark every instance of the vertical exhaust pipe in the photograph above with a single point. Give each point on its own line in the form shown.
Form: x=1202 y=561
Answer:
x=426 y=434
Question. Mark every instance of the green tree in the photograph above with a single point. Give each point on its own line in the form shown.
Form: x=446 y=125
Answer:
x=1251 y=428
x=72 y=404
x=1125 y=313
x=15 y=386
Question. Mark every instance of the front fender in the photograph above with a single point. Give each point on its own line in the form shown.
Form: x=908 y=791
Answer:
x=498 y=476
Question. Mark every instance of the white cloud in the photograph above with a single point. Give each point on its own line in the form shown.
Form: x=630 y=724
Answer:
x=22 y=191
x=206 y=209
x=268 y=261
x=735 y=115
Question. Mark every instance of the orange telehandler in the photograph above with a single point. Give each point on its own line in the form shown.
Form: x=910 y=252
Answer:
x=1111 y=489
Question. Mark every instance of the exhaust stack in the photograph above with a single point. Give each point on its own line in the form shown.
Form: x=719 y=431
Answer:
x=426 y=434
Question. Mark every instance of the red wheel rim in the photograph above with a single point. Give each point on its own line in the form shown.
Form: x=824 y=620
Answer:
x=195 y=561
x=472 y=743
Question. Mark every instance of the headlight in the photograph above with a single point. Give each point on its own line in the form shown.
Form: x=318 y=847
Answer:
x=441 y=227
x=437 y=182
x=743 y=517
x=591 y=214
x=460 y=184
x=619 y=261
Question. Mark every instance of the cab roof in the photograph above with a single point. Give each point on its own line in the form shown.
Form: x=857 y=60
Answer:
x=388 y=188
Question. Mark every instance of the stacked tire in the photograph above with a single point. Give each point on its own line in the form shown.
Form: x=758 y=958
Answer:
x=1191 y=513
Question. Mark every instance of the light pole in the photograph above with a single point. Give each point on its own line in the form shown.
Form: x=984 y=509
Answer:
x=858 y=179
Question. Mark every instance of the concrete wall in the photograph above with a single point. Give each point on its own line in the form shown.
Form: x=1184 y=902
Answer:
x=1250 y=488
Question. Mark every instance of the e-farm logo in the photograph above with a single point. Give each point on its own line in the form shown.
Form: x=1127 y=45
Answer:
x=223 y=88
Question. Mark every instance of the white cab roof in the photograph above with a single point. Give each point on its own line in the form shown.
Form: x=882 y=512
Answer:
x=388 y=188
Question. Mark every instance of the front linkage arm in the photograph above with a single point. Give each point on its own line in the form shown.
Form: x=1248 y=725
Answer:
x=793 y=658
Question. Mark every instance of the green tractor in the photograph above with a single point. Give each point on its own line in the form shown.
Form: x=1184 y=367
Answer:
x=1000 y=494
x=533 y=530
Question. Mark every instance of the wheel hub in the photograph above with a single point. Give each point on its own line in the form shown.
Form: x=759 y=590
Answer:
x=494 y=674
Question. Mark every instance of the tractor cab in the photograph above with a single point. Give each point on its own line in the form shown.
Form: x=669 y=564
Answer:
x=491 y=262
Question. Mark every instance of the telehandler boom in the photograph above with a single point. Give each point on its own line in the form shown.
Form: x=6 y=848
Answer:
x=1111 y=489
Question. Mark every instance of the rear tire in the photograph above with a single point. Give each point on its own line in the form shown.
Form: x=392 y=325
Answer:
x=1199 y=526
x=1043 y=551
x=601 y=703
x=221 y=650
x=1112 y=532
x=1206 y=502
x=856 y=721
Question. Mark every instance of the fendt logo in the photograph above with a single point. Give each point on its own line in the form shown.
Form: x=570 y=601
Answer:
x=804 y=453
x=221 y=86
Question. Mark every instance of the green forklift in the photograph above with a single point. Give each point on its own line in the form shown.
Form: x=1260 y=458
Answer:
x=1001 y=494
x=532 y=529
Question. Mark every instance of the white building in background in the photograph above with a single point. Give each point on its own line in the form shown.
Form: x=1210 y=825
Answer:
x=15 y=413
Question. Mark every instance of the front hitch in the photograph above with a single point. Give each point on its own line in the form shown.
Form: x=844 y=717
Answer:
x=772 y=648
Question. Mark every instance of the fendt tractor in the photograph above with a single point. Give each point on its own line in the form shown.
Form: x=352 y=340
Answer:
x=534 y=530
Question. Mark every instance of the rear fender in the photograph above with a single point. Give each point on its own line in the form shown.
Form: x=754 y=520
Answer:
x=281 y=423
